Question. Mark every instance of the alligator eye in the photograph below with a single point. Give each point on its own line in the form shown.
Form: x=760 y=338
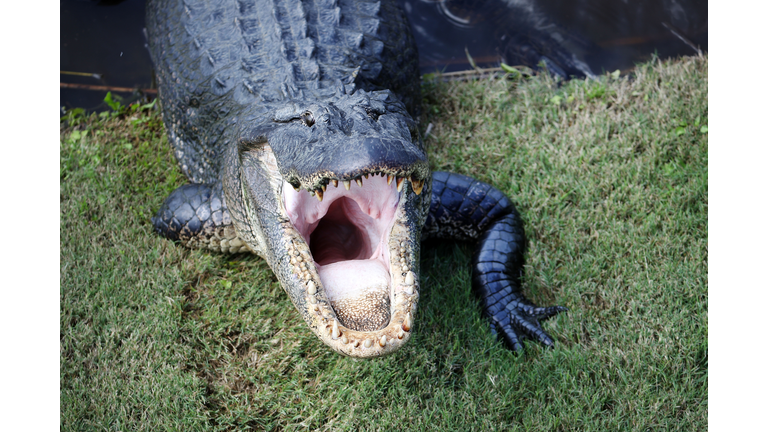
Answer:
x=308 y=118
x=372 y=114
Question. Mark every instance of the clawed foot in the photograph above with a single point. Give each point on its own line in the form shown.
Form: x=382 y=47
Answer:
x=520 y=321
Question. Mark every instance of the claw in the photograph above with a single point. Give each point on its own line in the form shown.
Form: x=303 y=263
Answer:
x=545 y=313
x=521 y=321
x=511 y=338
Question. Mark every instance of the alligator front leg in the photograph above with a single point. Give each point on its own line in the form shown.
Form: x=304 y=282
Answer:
x=196 y=216
x=467 y=209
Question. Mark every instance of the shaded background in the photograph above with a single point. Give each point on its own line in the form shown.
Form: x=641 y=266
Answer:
x=105 y=40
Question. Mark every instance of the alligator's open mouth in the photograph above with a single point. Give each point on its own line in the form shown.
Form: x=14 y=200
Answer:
x=347 y=233
x=355 y=239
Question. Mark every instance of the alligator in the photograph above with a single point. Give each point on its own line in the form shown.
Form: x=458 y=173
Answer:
x=294 y=122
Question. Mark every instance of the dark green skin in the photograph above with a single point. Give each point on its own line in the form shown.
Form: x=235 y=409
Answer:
x=254 y=93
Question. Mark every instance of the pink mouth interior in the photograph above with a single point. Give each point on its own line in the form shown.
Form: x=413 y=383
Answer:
x=342 y=235
x=347 y=234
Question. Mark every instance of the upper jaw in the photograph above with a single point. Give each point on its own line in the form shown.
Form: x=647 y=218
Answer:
x=342 y=146
x=398 y=177
x=377 y=156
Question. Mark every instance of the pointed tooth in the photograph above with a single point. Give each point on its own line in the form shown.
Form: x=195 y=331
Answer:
x=335 y=333
x=368 y=343
x=400 y=181
x=296 y=188
x=383 y=340
x=417 y=185
x=344 y=339
x=389 y=179
x=359 y=181
x=407 y=322
x=319 y=195
x=324 y=187
x=365 y=175
x=401 y=334
x=408 y=289
x=311 y=288
x=410 y=278
x=335 y=183
x=347 y=184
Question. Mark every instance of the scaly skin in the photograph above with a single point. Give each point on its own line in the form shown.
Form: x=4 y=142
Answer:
x=293 y=121
x=467 y=209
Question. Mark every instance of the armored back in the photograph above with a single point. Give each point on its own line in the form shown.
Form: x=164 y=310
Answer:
x=222 y=65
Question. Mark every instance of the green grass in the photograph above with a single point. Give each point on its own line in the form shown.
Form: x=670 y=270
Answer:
x=610 y=176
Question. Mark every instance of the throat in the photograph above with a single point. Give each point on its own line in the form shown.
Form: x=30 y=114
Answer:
x=343 y=234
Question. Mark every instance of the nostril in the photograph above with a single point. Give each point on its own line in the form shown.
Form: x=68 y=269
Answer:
x=308 y=118
x=372 y=114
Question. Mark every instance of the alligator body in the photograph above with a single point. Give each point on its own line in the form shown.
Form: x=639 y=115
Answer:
x=293 y=121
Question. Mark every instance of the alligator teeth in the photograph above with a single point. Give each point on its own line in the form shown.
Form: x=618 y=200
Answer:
x=365 y=175
x=319 y=195
x=335 y=183
x=324 y=187
x=418 y=185
x=359 y=181
x=368 y=343
x=383 y=340
x=410 y=278
x=335 y=333
x=407 y=323
x=389 y=179
x=311 y=288
x=347 y=184
x=400 y=181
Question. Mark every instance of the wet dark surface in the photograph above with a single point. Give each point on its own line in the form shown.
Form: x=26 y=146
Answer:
x=572 y=38
x=102 y=38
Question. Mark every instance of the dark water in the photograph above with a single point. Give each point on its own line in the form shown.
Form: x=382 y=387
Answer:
x=572 y=38
x=102 y=38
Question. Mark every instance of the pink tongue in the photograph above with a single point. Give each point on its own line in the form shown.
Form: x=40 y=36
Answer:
x=359 y=292
x=349 y=279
